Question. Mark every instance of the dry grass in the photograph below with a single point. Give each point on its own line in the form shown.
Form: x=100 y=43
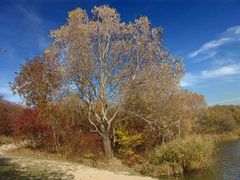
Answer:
x=6 y=140
x=114 y=165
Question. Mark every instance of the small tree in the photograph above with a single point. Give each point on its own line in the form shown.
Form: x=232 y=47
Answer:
x=37 y=83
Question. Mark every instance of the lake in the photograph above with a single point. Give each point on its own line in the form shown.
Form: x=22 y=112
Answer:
x=226 y=166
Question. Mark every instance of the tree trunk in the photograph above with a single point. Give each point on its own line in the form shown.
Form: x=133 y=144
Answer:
x=107 y=146
x=55 y=141
x=163 y=139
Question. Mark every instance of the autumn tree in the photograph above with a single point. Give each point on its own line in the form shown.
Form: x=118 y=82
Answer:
x=100 y=59
x=38 y=83
x=155 y=103
x=166 y=111
x=192 y=107
x=38 y=80
x=103 y=58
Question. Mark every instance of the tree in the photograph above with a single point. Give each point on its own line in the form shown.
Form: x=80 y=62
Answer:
x=38 y=81
x=103 y=58
x=167 y=111
x=220 y=118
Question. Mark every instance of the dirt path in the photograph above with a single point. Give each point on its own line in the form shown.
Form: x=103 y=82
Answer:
x=56 y=169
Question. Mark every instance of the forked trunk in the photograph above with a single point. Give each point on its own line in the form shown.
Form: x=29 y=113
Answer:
x=107 y=146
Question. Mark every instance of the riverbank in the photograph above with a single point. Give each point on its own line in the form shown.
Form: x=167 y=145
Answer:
x=225 y=166
x=225 y=137
x=195 y=153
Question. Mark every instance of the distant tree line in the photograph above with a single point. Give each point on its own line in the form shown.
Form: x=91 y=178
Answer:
x=220 y=119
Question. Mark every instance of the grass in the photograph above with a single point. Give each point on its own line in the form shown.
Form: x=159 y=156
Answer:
x=6 y=140
x=225 y=137
x=179 y=156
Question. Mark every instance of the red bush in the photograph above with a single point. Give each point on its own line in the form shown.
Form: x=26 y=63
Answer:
x=27 y=125
x=77 y=141
x=7 y=111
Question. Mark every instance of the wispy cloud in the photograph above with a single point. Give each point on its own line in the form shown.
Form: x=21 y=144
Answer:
x=210 y=45
x=36 y=24
x=232 y=31
x=191 y=79
x=222 y=71
x=220 y=56
x=30 y=15
x=232 y=34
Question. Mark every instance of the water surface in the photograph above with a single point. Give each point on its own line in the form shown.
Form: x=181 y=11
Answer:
x=226 y=166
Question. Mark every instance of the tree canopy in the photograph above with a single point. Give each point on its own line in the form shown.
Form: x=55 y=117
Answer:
x=102 y=60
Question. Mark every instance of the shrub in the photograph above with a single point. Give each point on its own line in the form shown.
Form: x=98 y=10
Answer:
x=127 y=143
x=27 y=125
x=89 y=155
x=192 y=153
x=75 y=142
x=7 y=111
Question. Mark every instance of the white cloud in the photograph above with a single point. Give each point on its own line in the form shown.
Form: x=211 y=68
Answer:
x=233 y=31
x=209 y=55
x=222 y=71
x=191 y=79
x=232 y=34
x=220 y=55
x=210 y=45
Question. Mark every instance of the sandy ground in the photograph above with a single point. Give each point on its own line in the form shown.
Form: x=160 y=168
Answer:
x=68 y=170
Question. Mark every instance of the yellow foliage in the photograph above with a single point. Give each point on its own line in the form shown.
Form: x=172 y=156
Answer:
x=127 y=142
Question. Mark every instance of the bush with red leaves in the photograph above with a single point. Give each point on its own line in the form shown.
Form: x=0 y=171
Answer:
x=28 y=125
x=7 y=111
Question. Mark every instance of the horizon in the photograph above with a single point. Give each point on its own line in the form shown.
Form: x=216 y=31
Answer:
x=206 y=34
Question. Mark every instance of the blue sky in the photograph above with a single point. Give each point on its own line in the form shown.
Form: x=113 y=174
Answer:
x=205 y=33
